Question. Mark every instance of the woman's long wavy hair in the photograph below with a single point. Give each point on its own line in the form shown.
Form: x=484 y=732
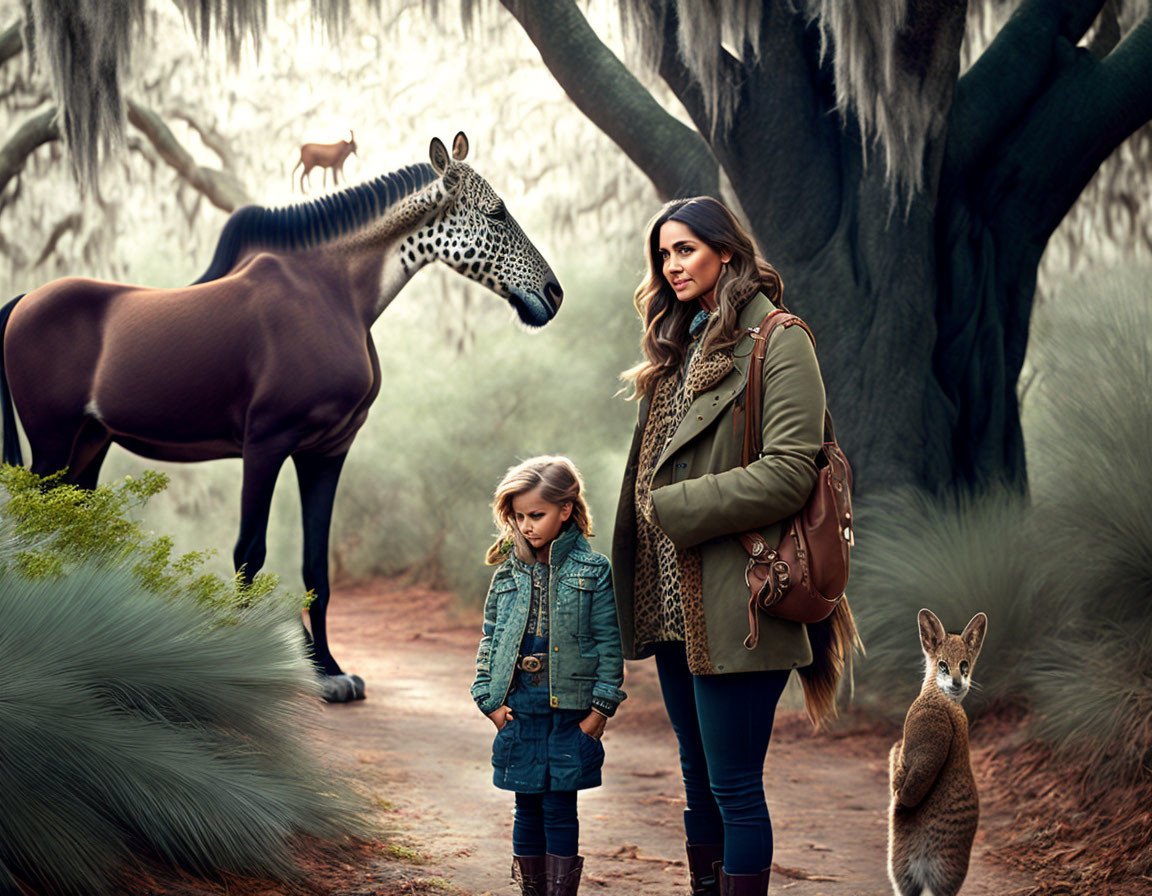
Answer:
x=559 y=481
x=666 y=318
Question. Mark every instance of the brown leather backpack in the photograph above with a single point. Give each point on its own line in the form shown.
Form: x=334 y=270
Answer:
x=803 y=578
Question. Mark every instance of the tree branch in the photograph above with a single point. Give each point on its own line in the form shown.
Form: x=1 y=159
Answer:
x=783 y=96
x=69 y=223
x=36 y=131
x=998 y=90
x=673 y=156
x=1091 y=107
x=1107 y=31
x=211 y=138
x=220 y=188
x=11 y=42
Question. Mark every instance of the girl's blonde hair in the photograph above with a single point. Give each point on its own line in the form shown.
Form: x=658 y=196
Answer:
x=666 y=318
x=559 y=482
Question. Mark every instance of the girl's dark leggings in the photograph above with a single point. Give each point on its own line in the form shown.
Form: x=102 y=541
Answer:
x=723 y=724
x=545 y=823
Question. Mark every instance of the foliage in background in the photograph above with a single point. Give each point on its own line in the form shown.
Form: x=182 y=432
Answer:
x=135 y=726
x=57 y=527
x=1089 y=415
x=1066 y=579
x=957 y=558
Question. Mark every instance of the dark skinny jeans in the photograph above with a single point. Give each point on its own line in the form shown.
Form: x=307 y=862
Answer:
x=546 y=823
x=723 y=724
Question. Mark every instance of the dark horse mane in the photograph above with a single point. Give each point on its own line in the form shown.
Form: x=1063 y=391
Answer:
x=309 y=223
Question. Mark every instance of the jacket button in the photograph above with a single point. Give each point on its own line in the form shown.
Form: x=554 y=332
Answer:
x=555 y=701
x=699 y=416
x=555 y=649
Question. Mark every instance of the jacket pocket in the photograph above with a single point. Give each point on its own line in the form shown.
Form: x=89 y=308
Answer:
x=502 y=746
x=575 y=598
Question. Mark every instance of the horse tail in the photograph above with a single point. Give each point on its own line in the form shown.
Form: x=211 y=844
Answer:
x=11 y=451
x=833 y=642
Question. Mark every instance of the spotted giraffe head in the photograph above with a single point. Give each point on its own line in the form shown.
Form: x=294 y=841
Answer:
x=473 y=234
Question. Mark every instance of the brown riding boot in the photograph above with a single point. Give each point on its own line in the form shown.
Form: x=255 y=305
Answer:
x=563 y=874
x=529 y=872
x=744 y=884
x=704 y=860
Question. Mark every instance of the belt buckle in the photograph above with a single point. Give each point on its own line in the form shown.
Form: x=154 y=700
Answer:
x=531 y=664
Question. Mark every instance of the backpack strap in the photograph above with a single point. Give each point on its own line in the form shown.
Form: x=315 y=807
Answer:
x=753 y=404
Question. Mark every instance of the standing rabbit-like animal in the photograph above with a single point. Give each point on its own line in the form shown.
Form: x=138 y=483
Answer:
x=934 y=809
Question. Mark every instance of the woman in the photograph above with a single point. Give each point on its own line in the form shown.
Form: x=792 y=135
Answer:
x=678 y=567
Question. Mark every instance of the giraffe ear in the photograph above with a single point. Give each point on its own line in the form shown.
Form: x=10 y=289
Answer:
x=460 y=147
x=438 y=154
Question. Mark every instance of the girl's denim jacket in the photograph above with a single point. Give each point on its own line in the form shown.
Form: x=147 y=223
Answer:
x=585 y=660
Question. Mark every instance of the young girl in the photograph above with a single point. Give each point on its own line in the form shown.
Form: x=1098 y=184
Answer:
x=549 y=667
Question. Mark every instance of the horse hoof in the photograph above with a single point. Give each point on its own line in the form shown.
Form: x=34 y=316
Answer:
x=342 y=688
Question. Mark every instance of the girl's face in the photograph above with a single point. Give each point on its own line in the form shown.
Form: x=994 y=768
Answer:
x=691 y=266
x=539 y=521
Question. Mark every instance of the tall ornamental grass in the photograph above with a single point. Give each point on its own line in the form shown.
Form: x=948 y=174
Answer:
x=956 y=557
x=1089 y=427
x=144 y=722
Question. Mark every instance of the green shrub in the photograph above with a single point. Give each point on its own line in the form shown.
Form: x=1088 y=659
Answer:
x=56 y=526
x=1088 y=421
x=134 y=725
x=957 y=558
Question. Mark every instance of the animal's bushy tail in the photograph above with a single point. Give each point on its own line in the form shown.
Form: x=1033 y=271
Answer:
x=12 y=453
x=833 y=642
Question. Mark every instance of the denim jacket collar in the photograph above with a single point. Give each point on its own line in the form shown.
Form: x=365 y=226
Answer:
x=569 y=539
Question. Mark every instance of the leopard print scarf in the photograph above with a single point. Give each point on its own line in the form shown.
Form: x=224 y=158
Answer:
x=669 y=582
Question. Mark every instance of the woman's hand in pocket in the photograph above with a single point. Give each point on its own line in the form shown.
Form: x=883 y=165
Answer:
x=593 y=724
x=500 y=717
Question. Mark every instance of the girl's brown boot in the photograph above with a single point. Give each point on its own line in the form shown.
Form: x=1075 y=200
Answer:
x=704 y=860
x=563 y=874
x=530 y=873
x=744 y=884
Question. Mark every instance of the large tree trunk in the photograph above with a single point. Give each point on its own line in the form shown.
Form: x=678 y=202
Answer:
x=919 y=297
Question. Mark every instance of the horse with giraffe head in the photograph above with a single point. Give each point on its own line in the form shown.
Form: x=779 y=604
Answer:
x=268 y=356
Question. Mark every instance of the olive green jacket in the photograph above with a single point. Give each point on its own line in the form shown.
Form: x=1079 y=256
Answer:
x=702 y=497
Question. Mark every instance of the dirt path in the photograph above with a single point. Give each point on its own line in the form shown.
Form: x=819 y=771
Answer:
x=423 y=750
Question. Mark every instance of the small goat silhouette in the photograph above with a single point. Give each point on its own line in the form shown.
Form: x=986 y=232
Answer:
x=324 y=156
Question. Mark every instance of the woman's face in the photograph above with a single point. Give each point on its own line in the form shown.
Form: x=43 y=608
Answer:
x=690 y=265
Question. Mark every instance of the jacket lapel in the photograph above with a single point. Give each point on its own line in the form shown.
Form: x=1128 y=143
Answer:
x=708 y=405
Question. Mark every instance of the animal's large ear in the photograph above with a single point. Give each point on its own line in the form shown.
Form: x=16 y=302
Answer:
x=439 y=155
x=973 y=634
x=460 y=147
x=931 y=631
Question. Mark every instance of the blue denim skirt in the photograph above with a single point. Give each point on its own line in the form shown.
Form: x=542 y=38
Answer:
x=541 y=748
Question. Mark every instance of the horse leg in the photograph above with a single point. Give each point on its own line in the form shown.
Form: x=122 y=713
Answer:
x=72 y=446
x=261 y=468
x=318 y=477
x=87 y=476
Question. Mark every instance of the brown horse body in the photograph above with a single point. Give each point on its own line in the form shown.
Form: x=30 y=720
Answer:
x=268 y=357
x=195 y=373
